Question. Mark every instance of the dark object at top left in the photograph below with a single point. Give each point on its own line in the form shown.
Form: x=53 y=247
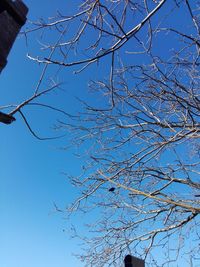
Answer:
x=12 y=18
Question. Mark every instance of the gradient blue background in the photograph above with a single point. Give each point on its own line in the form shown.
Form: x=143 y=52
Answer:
x=31 y=179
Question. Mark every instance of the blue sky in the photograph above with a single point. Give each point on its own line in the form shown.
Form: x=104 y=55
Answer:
x=31 y=232
x=31 y=179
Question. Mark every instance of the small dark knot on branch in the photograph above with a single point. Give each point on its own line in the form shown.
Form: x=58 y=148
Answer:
x=112 y=189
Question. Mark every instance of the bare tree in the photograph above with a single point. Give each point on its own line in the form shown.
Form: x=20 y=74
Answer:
x=13 y=17
x=141 y=178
